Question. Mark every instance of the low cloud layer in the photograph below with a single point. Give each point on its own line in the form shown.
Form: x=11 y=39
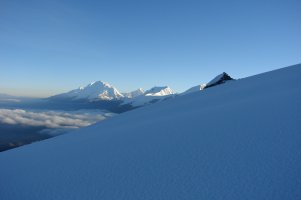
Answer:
x=55 y=122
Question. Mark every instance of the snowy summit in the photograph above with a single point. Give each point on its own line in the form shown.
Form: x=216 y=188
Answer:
x=97 y=90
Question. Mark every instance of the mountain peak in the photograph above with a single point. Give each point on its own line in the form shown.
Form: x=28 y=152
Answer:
x=219 y=79
x=100 y=83
x=98 y=90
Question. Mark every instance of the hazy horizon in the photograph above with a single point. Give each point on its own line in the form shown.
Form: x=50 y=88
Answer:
x=22 y=93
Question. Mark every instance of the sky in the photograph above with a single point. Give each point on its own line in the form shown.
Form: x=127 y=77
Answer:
x=49 y=47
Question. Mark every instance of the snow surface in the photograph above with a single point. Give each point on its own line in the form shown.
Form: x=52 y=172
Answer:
x=96 y=90
x=240 y=140
x=194 y=89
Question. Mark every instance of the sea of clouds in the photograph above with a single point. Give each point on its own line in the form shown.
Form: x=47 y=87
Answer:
x=54 y=122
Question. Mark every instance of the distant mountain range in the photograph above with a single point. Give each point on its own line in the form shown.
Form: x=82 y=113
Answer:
x=102 y=91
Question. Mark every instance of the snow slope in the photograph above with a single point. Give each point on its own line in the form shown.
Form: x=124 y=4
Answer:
x=194 y=89
x=96 y=90
x=240 y=140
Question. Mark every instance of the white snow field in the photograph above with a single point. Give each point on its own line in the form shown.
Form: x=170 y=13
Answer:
x=240 y=140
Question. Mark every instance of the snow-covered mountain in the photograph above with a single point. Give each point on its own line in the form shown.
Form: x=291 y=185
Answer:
x=240 y=140
x=98 y=90
x=114 y=100
x=134 y=94
x=159 y=91
x=104 y=91
x=152 y=95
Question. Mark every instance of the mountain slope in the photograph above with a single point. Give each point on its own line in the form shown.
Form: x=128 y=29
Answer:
x=239 y=140
x=194 y=89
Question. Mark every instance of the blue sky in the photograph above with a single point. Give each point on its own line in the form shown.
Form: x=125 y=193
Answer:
x=48 y=47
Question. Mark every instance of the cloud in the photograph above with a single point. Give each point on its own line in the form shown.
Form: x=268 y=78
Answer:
x=55 y=122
